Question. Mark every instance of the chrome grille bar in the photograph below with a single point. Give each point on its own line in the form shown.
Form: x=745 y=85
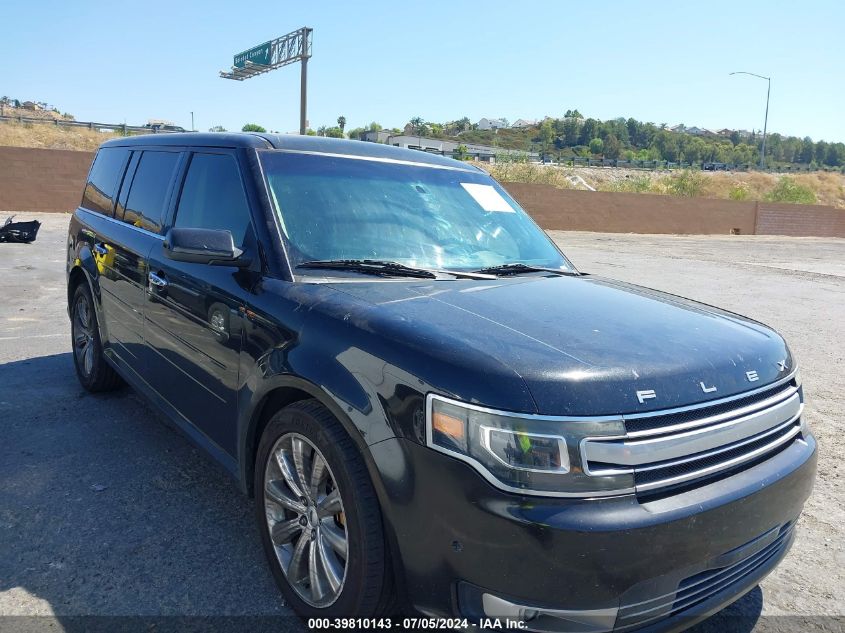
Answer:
x=699 y=442
x=671 y=446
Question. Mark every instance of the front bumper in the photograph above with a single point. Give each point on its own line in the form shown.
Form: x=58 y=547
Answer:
x=662 y=564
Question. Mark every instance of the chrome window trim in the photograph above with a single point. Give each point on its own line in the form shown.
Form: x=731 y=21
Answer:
x=490 y=477
x=158 y=236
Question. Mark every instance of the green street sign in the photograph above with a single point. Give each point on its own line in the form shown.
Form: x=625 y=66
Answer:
x=256 y=55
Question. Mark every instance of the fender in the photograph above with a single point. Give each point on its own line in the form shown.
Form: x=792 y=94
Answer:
x=251 y=410
x=86 y=263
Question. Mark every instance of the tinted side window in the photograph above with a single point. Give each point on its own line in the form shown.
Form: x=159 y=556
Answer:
x=148 y=194
x=213 y=197
x=103 y=180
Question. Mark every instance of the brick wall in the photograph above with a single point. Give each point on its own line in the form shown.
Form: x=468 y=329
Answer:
x=52 y=180
x=42 y=179
x=573 y=210
x=800 y=220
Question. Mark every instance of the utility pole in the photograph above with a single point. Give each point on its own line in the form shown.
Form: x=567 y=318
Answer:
x=303 y=97
x=192 y=122
x=766 y=119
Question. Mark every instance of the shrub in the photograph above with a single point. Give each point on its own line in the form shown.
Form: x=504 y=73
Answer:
x=636 y=184
x=739 y=192
x=687 y=183
x=788 y=190
x=252 y=127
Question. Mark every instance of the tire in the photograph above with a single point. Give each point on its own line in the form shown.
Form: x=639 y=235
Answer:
x=301 y=436
x=92 y=369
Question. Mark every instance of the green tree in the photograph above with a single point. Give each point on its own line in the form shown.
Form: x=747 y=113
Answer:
x=461 y=152
x=612 y=146
x=357 y=133
x=570 y=131
x=463 y=124
x=333 y=132
x=596 y=146
x=252 y=127
x=418 y=125
x=547 y=135
x=341 y=122
x=217 y=128
x=807 y=150
x=375 y=127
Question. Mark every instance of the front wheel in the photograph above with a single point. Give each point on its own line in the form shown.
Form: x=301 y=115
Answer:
x=92 y=369
x=318 y=515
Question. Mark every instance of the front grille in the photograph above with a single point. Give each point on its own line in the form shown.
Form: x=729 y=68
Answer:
x=669 y=451
x=698 y=588
x=657 y=421
x=702 y=586
x=661 y=471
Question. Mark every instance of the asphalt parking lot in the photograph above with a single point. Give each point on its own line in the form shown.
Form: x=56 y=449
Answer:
x=106 y=511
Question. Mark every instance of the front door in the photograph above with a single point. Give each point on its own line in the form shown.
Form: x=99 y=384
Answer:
x=192 y=313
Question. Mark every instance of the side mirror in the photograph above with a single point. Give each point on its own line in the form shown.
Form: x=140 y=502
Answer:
x=203 y=246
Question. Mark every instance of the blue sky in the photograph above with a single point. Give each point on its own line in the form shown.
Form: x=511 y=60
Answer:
x=666 y=62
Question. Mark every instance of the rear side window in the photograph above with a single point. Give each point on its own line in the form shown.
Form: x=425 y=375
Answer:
x=104 y=179
x=148 y=194
x=213 y=197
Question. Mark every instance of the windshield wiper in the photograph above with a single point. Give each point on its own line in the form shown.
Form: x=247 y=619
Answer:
x=371 y=267
x=517 y=268
x=381 y=267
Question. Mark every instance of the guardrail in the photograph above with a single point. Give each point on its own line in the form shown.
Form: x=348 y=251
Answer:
x=91 y=125
x=578 y=161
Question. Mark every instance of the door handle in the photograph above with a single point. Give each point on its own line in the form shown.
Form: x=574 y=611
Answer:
x=157 y=281
x=101 y=249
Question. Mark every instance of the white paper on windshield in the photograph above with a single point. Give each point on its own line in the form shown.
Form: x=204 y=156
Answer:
x=487 y=197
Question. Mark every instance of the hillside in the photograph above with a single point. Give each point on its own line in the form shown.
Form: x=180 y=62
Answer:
x=51 y=137
x=827 y=188
x=630 y=139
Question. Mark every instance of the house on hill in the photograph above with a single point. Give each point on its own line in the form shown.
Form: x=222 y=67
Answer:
x=523 y=123
x=491 y=124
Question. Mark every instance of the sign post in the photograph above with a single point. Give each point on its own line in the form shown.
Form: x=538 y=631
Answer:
x=288 y=49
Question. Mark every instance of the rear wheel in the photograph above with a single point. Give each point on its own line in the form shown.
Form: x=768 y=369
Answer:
x=93 y=371
x=318 y=515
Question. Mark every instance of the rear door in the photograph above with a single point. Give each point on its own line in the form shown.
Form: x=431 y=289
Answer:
x=120 y=253
x=192 y=317
x=135 y=228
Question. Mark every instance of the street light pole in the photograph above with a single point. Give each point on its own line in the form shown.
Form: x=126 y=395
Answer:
x=766 y=119
x=192 y=121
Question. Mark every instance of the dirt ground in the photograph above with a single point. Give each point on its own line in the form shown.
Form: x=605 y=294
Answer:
x=106 y=512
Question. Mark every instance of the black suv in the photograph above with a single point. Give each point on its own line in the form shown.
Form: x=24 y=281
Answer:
x=434 y=410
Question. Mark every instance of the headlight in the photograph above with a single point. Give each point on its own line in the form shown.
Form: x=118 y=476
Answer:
x=529 y=454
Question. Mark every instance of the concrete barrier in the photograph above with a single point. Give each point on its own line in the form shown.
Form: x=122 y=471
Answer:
x=52 y=180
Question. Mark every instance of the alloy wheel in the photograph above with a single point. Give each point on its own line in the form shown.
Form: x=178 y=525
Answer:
x=83 y=335
x=305 y=519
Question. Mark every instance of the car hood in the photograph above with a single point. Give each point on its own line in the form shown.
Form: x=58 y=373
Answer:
x=587 y=345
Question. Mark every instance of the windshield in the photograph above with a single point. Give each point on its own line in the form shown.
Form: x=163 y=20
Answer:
x=339 y=208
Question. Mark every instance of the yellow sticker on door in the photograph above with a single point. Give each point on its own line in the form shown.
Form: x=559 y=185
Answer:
x=487 y=197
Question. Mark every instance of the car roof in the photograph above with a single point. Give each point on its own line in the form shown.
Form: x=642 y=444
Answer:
x=294 y=142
